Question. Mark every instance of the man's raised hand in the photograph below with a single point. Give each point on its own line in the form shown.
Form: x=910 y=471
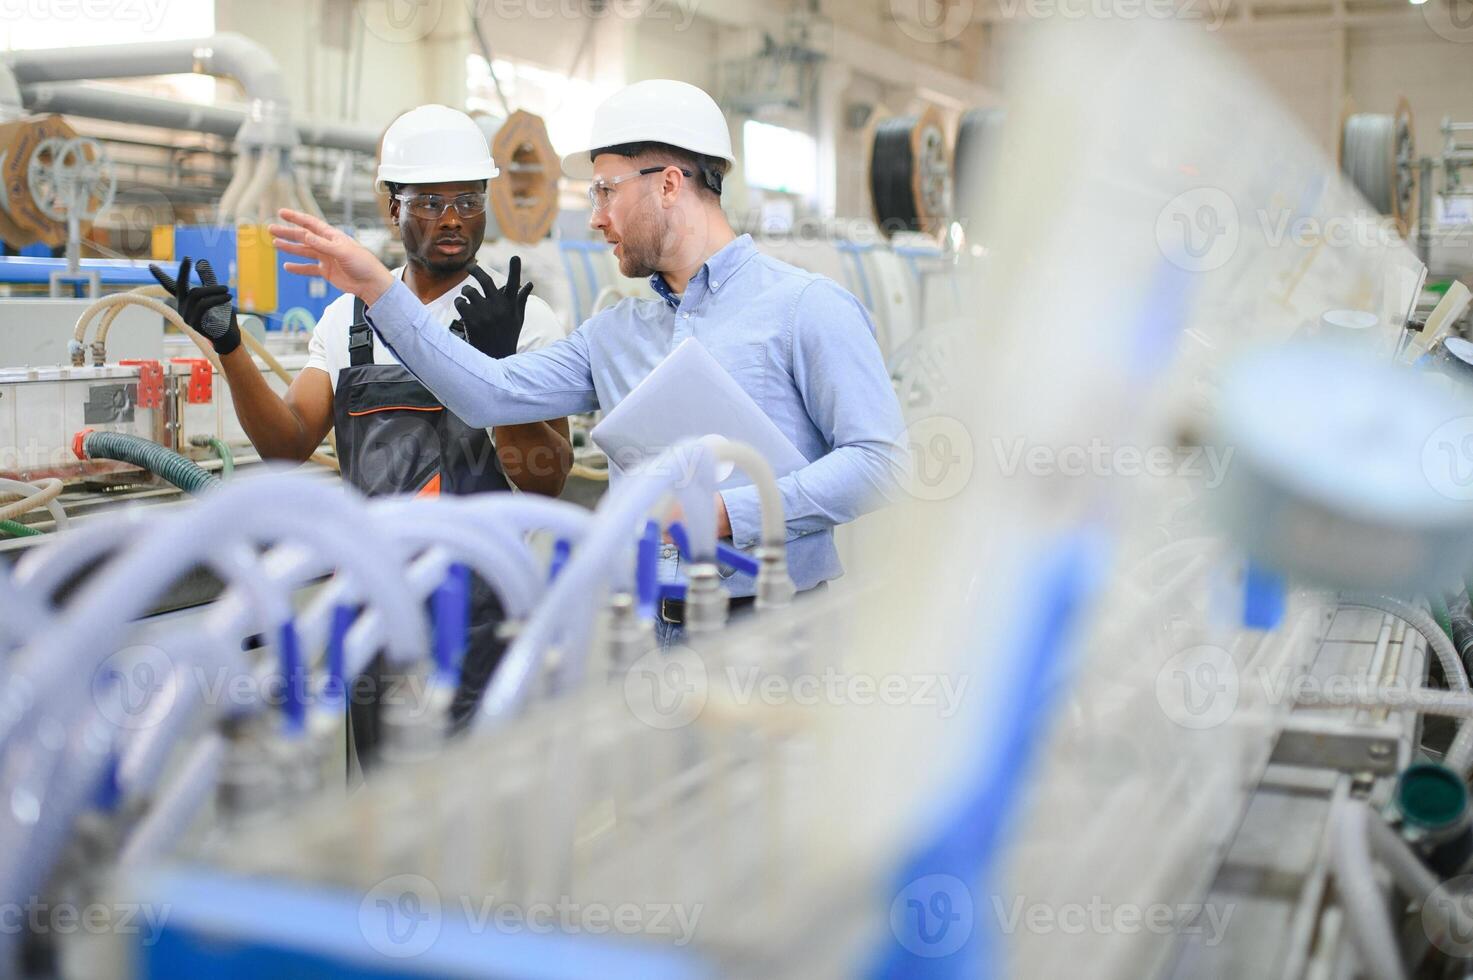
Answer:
x=334 y=255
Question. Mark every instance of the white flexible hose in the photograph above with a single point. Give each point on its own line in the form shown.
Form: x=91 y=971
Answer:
x=618 y=520
x=245 y=166
x=246 y=208
x=1460 y=753
x=277 y=506
x=147 y=297
x=514 y=581
x=1369 y=926
x=38 y=497
x=42 y=571
x=759 y=471
x=136 y=298
x=1428 y=701
x=304 y=194
x=1421 y=621
x=42 y=494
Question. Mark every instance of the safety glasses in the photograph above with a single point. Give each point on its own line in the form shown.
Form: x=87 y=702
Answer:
x=433 y=205
x=601 y=191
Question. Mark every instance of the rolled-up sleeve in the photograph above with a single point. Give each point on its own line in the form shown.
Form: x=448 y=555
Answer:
x=484 y=391
x=846 y=391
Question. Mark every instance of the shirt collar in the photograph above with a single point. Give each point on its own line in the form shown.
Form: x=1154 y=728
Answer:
x=719 y=268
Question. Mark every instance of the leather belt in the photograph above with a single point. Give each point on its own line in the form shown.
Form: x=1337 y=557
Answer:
x=672 y=611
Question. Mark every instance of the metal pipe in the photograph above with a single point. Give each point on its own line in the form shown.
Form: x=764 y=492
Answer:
x=146 y=110
x=224 y=55
x=126 y=107
x=268 y=117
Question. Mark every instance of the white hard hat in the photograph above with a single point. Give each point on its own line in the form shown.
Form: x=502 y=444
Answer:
x=432 y=144
x=660 y=110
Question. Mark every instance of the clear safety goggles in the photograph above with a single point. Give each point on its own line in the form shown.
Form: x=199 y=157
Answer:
x=601 y=191
x=433 y=205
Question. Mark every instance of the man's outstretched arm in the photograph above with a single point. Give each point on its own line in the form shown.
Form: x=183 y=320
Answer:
x=484 y=391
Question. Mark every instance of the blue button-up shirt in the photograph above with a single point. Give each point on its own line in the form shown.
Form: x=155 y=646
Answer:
x=797 y=342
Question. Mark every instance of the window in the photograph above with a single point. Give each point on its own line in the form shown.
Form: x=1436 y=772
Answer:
x=79 y=25
x=779 y=159
x=75 y=25
x=565 y=104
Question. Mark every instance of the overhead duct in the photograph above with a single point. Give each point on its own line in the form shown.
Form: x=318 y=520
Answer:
x=223 y=55
x=147 y=110
x=263 y=141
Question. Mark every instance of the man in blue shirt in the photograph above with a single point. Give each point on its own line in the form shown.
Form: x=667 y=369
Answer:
x=800 y=345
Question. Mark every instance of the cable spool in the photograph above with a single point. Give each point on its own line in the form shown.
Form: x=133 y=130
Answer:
x=978 y=139
x=910 y=174
x=23 y=221
x=71 y=178
x=524 y=195
x=1378 y=154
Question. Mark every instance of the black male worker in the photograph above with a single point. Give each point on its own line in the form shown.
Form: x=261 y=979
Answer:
x=393 y=435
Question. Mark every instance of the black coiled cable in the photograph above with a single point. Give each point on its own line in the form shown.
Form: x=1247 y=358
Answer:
x=891 y=176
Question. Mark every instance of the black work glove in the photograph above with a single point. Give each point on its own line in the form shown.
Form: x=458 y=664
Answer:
x=492 y=319
x=206 y=308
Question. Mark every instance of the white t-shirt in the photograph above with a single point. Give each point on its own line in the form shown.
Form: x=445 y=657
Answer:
x=328 y=348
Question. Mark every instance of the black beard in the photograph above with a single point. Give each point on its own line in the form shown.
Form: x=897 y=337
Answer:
x=445 y=267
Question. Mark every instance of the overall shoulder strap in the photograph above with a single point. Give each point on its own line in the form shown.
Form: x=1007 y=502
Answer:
x=360 y=336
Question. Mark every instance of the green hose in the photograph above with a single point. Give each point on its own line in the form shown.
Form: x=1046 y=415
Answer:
x=1440 y=613
x=18 y=530
x=221 y=449
x=183 y=473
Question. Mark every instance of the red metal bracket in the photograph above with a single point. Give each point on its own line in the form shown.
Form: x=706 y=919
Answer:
x=201 y=379
x=150 y=382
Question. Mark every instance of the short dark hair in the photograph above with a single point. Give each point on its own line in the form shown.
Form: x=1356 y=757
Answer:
x=710 y=169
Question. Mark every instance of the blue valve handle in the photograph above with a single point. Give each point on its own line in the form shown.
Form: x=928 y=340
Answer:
x=672 y=590
x=294 y=704
x=725 y=553
x=682 y=540
x=109 y=788
x=450 y=606
x=739 y=560
x=561 y=549
x=647 y=570
x=342 y=619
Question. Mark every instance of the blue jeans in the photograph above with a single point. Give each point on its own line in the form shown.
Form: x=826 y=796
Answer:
x=668 y=635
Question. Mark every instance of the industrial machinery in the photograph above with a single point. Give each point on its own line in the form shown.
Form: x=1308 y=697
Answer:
x=1158 y=661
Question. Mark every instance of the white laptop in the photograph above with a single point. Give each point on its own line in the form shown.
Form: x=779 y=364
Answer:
x=689 y=395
